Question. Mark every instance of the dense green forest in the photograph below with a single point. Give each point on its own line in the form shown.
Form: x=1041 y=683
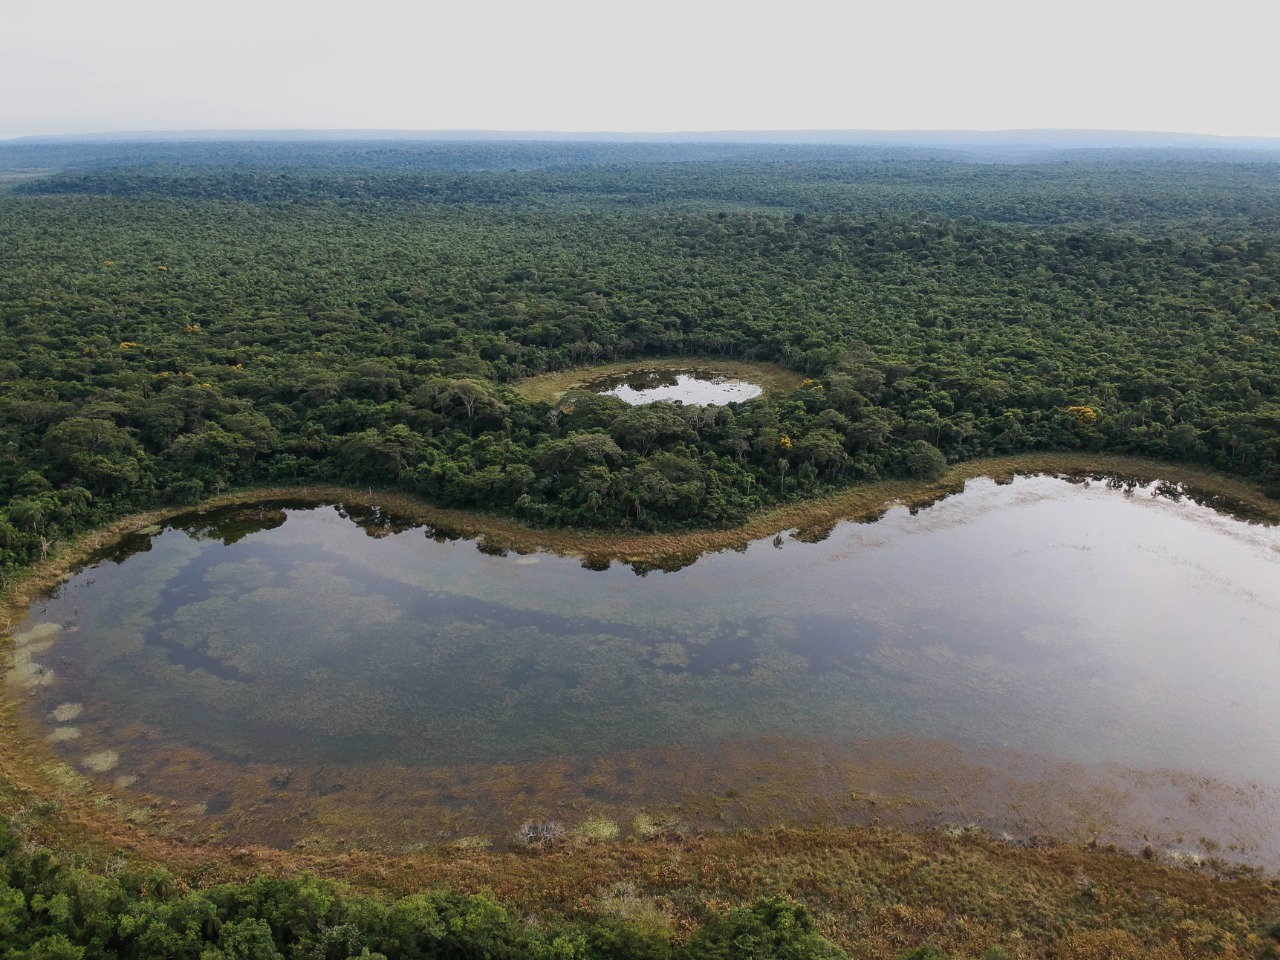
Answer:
x=182 y=319
x=52 y=910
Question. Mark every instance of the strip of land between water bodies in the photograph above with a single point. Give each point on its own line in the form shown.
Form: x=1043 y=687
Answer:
x=810 y=519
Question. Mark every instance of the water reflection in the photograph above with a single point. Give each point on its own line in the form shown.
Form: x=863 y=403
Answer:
x=694 y=387
x=368 y=664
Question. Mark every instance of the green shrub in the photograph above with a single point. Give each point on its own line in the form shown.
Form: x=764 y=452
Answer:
x=774 y=929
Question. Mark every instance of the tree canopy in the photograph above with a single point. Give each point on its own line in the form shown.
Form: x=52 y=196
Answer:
x=180 y=320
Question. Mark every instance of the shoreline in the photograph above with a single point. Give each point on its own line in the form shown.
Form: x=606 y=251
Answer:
x=32 y=774
x=550 y=387
x=811 y=519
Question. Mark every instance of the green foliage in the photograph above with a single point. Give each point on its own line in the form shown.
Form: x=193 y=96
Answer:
x=178 y=320
x=775 y=929
x=77 y=915
x=923 y=460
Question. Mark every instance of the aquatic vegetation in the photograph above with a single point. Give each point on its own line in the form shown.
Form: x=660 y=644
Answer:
x=671 y=655
x=471 y=843
x=39 y=634
x=66 y=712
x=65 y=777
x=63 y=734
x=649 y=826
x=1189 y=859
x=597 y=828
x=25 y=671
x=102 y=761
x=749 y=689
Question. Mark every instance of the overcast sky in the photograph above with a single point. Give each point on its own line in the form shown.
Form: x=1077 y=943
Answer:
x=79 y=66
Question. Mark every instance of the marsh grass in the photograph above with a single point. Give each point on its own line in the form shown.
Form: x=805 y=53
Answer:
x=474 y=842
x=597 y=828
x=875 y=891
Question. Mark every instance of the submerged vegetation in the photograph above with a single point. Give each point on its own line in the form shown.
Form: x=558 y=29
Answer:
x=960 y=891
x=459 y=692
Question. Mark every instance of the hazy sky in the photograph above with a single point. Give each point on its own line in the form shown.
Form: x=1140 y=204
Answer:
x=74 y=66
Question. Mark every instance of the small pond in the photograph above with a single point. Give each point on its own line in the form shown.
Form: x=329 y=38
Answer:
x=689 y=387
x=1078 y=658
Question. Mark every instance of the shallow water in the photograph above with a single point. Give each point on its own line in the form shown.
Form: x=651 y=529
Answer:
x=695 y=388
x=1039 y=655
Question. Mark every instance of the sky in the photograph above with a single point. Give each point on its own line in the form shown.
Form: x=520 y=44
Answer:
x=75 y=66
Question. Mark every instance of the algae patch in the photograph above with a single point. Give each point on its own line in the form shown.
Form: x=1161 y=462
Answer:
x=41 y=635
x=66 y=712
x=102 y=761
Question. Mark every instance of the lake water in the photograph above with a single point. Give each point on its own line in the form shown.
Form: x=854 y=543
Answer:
x=1037 y=657
x=649 y=386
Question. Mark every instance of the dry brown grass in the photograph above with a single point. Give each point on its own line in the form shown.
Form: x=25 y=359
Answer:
x=874 y=891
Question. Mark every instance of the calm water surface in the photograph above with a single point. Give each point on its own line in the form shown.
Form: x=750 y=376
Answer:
x=702 y=389
x=1016 y=629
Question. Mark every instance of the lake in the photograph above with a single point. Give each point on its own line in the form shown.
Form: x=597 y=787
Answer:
x=691 y=387
x=1077 y=659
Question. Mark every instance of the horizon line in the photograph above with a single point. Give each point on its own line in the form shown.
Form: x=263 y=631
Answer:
x=811 y=134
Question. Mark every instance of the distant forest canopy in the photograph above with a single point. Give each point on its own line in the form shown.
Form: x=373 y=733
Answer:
x=1213 y=188
x=180 y=318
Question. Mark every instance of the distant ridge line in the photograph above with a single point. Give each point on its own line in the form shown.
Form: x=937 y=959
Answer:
x=1025 y=139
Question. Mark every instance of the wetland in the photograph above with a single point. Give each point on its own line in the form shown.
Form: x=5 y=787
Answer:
x=1084 y=659
x=690 y=380
x=695 y=387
